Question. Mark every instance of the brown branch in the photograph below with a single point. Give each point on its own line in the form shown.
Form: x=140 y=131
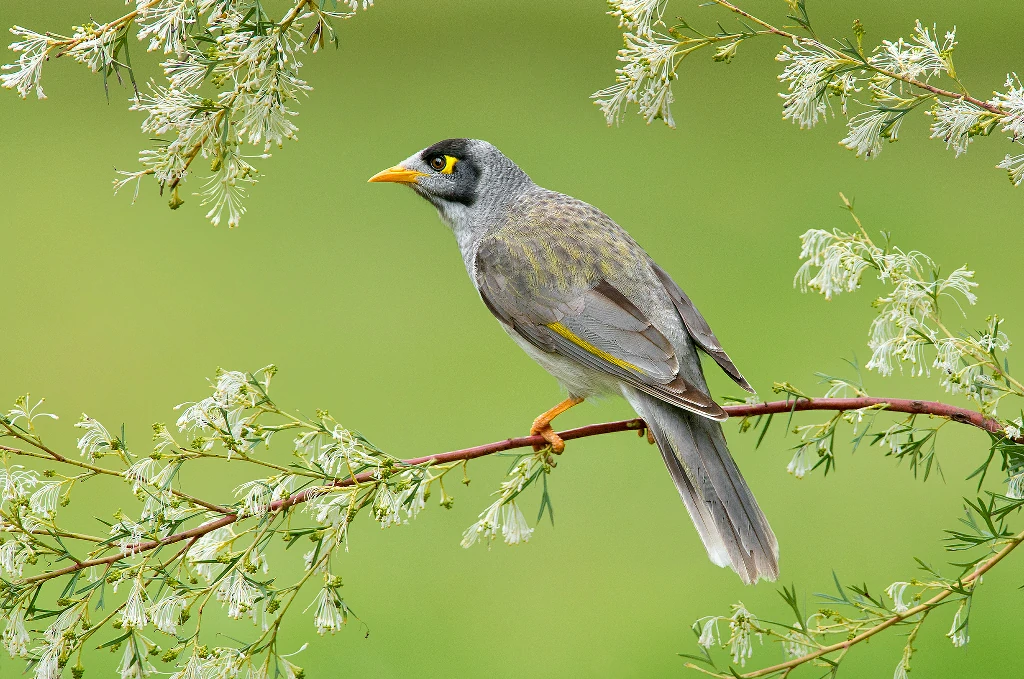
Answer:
x=898 y=405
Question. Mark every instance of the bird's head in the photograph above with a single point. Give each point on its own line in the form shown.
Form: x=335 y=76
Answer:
x=457 y=173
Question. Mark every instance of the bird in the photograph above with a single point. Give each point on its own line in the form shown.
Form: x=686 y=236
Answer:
x=586 y=302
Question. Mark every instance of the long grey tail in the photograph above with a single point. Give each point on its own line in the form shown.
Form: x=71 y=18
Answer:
x=733 y=528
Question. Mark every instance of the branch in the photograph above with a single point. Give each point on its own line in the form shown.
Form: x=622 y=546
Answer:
x=962 y=415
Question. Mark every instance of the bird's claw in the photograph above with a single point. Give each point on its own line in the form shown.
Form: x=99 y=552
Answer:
x=553 y=439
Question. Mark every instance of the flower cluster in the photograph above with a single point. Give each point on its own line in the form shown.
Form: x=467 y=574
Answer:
x=231 y=82
x=173 y=553
x=874 y=89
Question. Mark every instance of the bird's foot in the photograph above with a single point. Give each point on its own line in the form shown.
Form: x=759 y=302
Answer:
x=542 y=426
x=544 y=429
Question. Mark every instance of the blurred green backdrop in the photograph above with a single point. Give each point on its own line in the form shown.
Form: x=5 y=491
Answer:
x=358 y=293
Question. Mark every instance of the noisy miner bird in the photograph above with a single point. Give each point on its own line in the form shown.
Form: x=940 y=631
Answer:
x=578 y=294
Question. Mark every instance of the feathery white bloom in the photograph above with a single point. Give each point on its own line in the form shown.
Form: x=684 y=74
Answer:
x=1013 y=428
x=958 y=631
x=802 y=461
x=646 y=79
x=919 y=59
x=742 y=625
x=96 y=438
x=486 y=528
x=637 y=16
x=16 y=483
x=26 y=74
x=129 y=534
x=1015 y=486
x=142 y=473
x=167 y=24
x=1014 y=166
x=256 y=497
x=709 y=634
x=195 y=668
x=13 y=557
x=954 y=122
x=43 y=502
x=808 y=73
x=166 y=613
x=135 y=615
x=901 y=670
x=895 y=591
x=22 y=411
x=387 y=507
x=15 y=637
x=208 y=548
x=513 y=525
x=328 y=618
x=798 y=644
x=133 y=663
x=1012 y=102
x=868 y=129
x=238 y=593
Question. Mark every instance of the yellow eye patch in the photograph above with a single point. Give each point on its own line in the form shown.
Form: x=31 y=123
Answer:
x=449 y=164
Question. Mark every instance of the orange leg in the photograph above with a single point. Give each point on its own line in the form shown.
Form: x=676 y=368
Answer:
x=542 y=425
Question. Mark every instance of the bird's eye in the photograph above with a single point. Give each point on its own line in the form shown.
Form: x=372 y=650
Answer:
x=438 y=163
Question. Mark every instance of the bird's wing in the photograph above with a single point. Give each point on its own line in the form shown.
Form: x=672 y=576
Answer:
x=594 y=324
x=699 y=329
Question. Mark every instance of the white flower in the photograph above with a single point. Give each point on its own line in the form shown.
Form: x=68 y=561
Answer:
x=958 y=631
x=646 y=79
x=13 y=557
x=798 y=644
x=486 y=528
x=387 y=506
x=802 y=462
x=16 y=483
x=26 y=74
x=96 y=438
x=1014 y=166
x=256 y=496
x=22 y=411
x=141 y=473
x=513 y=525
x=867 y=129
x=953 y=124
x=167 y=24
x=15 y=637
x=637 y=16
x=328 y=618
x=135 y=615
x=43 y=502
x=742 y=625
x=166 y=614
x=1012 y=102
x=133 y=663
x=1014 y=487
x=895 y=591
x=919 y=59
x=1013 y=428
x=238 y=593
x=195 y=668
x=709 y=635
x=901 y=670
x=807 y=73
x=208 y=548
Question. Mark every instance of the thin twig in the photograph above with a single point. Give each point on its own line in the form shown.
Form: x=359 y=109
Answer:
x=962 y=415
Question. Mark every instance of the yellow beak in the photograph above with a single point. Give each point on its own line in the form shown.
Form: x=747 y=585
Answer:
x=397 y=174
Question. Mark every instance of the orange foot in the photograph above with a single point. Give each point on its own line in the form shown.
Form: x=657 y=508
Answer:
x=542 y=425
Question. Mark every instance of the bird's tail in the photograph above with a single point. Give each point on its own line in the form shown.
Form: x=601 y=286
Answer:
x=734 y=530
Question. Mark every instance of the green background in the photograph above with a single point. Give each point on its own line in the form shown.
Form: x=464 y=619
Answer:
x=358 y=293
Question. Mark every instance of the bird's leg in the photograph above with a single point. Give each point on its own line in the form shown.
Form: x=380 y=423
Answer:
x=542 y=425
